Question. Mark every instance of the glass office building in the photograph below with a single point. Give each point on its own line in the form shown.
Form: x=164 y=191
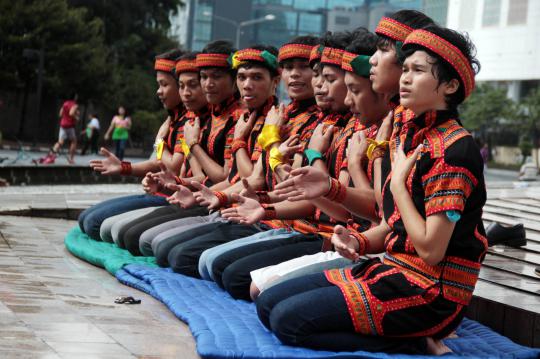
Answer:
x=293 y=18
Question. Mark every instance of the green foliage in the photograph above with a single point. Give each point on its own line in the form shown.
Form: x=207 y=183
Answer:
x=525 y=145
x=145 y=125
x=103 y=50
x=528 y=115
x=75 y=55
x=486 y=108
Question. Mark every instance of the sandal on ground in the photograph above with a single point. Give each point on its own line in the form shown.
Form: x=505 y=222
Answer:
x=127 y=300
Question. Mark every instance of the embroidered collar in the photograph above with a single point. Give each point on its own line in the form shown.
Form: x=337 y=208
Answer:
x=217 y=110
x=177 y=112
x=297 y=107
x=433 y=118
x=263 y=110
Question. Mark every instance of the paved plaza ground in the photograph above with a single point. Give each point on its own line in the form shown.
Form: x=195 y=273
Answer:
x=54 y=305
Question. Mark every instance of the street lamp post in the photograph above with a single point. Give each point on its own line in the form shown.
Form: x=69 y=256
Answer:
x=30 y=53
x=239 y=25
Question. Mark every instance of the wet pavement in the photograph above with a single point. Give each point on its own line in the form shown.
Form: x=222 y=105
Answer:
x=53 y=305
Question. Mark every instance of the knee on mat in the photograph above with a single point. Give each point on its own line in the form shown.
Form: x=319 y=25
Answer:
x=236 y=282
x=91 y=226
x=254 y=291
x=183 y=264
x=283 y=325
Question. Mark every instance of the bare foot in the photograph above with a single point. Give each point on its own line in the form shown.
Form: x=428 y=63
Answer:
x=437 y=347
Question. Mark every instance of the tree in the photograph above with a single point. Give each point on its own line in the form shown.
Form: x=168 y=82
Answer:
x=528 y=118
x=487 y=107
x=135 y=31
x=75 y=55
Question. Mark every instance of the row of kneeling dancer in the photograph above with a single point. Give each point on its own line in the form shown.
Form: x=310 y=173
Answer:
x=351 y=215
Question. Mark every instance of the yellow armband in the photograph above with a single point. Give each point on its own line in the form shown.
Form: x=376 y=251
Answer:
x=268 y=136
x=376 y=147
x=159 y=146
x=276 y=158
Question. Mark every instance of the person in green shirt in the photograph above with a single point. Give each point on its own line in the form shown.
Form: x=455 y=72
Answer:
x=120 y=125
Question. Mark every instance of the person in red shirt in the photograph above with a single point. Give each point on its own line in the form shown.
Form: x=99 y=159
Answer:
x=69 y=115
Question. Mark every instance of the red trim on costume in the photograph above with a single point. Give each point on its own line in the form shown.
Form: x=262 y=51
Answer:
x=393 y=29
x=212 y=60
x=291 y=51
x=186 y=66
x=447 y=51
x=332 y=56
x=164 y=65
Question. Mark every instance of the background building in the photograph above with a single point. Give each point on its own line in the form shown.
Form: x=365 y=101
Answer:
x=505 y=32
x=292 y=18
x=507 y=37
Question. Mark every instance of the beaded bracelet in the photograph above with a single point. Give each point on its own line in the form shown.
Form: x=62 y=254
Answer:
x=336 y=192
x=238 y=144
x=222 y=197
x=263 y=197
x=125 y=168
x=180 y=181
x=269 y=211
x=363 y=242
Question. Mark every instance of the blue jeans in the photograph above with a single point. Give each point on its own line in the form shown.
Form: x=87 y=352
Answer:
x=311 y=312
x=120 y=146
x=91 y=218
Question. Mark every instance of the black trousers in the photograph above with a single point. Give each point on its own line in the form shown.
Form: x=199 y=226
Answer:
x=232 y=269
x=184 y=258
x=130 y=234
x=164 y=247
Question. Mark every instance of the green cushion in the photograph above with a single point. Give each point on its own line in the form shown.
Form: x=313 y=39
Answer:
x=102 y=254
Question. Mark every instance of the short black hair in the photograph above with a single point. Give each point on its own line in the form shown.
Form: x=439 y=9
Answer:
x=412 y=18
x=363 y=42
x=336 y=40
x=271 y=49
x=442 y=70
x=220 y=47
x=191 y=55
x=173 y=54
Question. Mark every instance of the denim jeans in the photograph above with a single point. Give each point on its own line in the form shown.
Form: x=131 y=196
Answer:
x=120 y=146
x=91 y=218
x=309 y=311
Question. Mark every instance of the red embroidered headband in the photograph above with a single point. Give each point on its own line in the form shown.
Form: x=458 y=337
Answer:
x=332 y=56
x=358 y=64
x=212 y=60
x=186 y=66
x=164 y=65
x=241 y=56
x=316 y=53
x=448 y=52
x=291 y=51
x=393 y=29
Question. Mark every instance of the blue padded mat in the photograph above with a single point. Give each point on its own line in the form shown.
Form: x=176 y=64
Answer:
x=228 y=328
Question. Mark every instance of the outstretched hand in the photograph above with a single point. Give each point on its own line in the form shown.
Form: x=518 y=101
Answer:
x=248 y=210
x=182 y=196
x=304 y=183
x=344 y=244
x=204 y=196
x=110 y=165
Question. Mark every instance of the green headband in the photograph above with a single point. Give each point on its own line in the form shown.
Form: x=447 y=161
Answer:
x=361 y=66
